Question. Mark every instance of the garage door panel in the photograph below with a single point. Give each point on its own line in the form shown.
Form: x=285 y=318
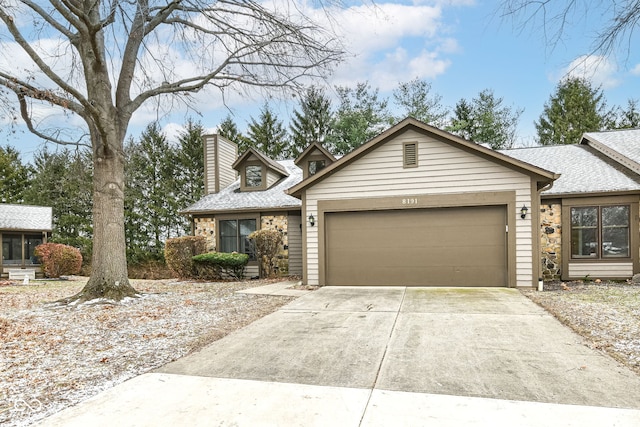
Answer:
x=417 y=247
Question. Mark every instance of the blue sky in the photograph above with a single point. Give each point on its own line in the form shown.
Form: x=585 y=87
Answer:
x=460 y=46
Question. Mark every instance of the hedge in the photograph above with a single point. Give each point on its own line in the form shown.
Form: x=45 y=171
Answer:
x=179 y=252
x=58 y=259
x=216 y=265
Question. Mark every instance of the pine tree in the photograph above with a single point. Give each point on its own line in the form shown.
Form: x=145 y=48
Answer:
x=62 y=180
x=268 y=134
x=416 y=100
x=486 y=120
x=360 y=117
x=312 y=123
x=150 y=200
x=573 y=109
x=228 y=129
x=15 y=176
x=189 y=175
x=626 y=118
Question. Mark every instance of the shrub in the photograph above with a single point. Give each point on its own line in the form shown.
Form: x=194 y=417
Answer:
x=267 y=245
x=58 y=259
x=179 y=253
x=215 y=265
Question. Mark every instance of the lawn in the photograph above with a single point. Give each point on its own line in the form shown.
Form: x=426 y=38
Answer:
x=606 y=314
x=54 y=358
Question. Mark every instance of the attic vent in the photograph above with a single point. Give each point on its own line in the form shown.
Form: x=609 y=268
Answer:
x=410 y=155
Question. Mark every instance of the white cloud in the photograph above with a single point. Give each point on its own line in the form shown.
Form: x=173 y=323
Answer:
x=599 y=70
x=636 y=70
x=389 y=43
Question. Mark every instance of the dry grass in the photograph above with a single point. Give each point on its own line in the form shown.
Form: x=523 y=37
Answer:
x=51 y=359
x=606 y=314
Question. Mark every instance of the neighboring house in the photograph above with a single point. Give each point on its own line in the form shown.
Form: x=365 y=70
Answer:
x=420 y=206
x=22 y=228
x=253 y=196
x=589 y=218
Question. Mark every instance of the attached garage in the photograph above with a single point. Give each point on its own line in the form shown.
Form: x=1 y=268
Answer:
x=456 y=246
x=417 y=206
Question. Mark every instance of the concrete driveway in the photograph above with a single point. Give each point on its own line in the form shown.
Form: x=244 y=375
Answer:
x=383 y=356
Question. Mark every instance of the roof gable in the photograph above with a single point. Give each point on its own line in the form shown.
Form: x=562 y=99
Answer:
x=622 y=146
x=543 y=176
x=25 y=218
x=254 y=154
x=315 y=148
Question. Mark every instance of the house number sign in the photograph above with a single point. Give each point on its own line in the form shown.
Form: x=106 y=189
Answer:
x=411 y=201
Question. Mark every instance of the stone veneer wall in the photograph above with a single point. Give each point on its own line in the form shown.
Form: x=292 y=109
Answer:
x=206 y=227
x=280 y=223
x=551 y=240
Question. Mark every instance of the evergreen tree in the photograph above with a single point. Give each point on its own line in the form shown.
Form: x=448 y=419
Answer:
x=360 y=117
x=189 y=175
x=628 y=118
x=268 y=134
x=15 y=176
x=416 y=100
x=150 y=200
x=573 y=109
x=228 y=129
x=62 y=180
x=486 y=120
x=312 y=123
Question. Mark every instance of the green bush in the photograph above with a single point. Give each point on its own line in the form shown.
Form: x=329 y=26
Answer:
x=58 y=259
x=179 y=253
x=267 y=244
x=216 y=265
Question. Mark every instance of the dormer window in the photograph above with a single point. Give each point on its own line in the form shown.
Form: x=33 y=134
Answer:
x=313 y=159
x=315 y=166
x=253 y=176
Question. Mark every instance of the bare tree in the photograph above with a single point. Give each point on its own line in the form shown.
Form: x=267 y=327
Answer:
x=101 y=60
x=618 y=18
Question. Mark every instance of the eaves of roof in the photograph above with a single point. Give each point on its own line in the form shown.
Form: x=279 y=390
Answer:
x=542 y=175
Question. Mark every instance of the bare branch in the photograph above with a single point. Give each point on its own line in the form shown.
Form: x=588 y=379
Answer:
x=553 y=17
x=24 y=112
x=44 y=67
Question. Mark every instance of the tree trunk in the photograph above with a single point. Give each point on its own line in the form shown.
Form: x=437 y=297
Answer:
x=109 y=277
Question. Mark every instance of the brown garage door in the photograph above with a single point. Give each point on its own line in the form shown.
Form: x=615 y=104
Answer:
x=417 y=247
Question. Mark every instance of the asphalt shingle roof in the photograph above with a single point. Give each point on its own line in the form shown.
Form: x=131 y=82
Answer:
x=583 y=169
x=624 y=141
x=231 y=198
x=22 y=217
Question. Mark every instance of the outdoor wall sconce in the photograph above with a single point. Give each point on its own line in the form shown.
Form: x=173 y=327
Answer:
x=312 y=220
x=523 y=211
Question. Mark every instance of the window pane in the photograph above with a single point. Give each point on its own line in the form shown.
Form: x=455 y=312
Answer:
x=228 y=236
x=315 y=166
x=247 y=226
x=584 y=232
x=253 y=176
x=12 y=249
x=584 y=217
x=30 y=243
x=615 y=231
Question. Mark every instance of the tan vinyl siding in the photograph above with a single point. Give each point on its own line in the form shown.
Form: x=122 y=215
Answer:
x=294 y=233
x=209 y=164
x=219 y=156
x=227 y=154
x=442 y=169
x=272 y=178
x=600 y=270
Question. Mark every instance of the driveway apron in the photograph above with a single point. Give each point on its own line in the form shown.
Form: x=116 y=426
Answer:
x=360 y=356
